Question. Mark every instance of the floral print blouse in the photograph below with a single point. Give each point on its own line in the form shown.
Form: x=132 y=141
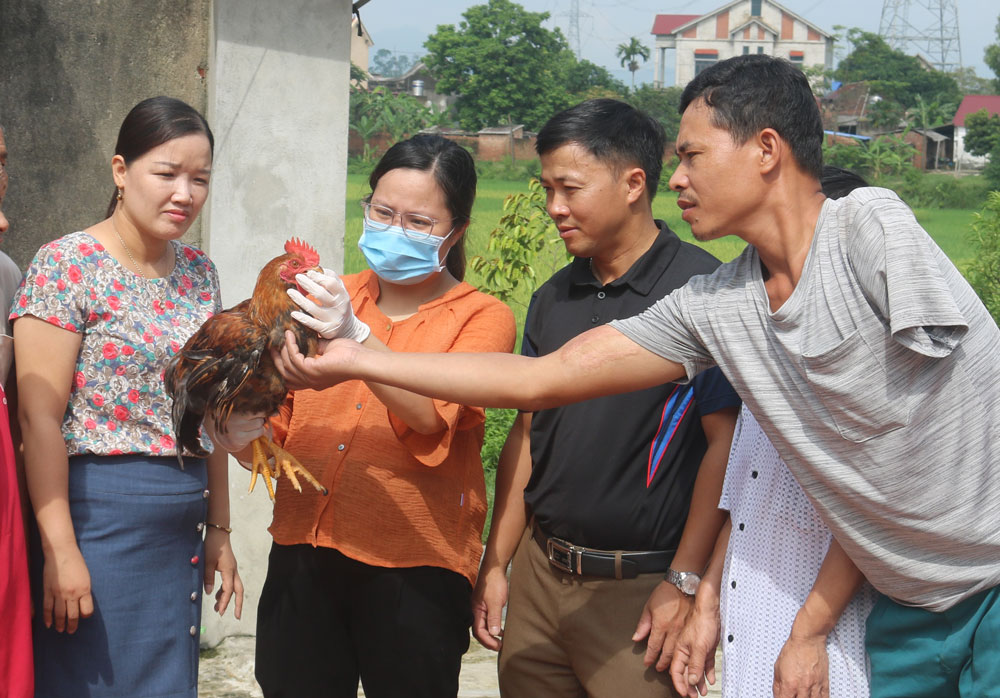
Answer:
x=130 y=329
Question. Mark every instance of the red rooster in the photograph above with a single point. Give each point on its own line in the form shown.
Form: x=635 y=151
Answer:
x=226 y=366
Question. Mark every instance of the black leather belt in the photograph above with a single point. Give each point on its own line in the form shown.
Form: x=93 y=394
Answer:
x=617 y=564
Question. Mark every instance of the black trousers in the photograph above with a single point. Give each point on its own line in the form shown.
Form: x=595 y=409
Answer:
x=324 y=620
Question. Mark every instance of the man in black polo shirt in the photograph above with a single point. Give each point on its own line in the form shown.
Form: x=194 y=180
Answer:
x=606 y=483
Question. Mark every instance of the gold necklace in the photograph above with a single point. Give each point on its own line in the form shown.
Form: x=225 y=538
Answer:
x=128 y=251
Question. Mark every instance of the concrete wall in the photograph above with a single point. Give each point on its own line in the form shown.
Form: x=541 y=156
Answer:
x=278 y=102
x=69 y=73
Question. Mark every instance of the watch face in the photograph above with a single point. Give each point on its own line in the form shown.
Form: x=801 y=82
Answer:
x=689 y=583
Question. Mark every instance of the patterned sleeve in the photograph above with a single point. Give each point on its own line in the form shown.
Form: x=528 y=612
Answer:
x=54 y=287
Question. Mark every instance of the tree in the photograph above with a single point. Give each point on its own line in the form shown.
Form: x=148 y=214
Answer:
x=893 y=75
x=386 y=63
x=504 y=65
x=982 y=137
x=629 y=53
x=971 y=84
x=358 y=75
x=885 y=114
x=991 y=57
x=378 y=111
x=661 y=104
x=585 y=80
x=930 y=114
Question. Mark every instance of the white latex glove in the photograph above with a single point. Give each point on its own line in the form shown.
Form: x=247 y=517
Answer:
x=331 y=315
x=237 y=433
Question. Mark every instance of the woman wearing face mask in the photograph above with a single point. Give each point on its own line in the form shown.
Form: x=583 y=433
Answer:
x=374 y=580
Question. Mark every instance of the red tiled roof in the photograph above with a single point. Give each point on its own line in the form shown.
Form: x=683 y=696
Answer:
x=665 y=24
x=973 y=103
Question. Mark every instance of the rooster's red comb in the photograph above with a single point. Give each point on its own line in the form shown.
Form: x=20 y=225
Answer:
x=304 y=250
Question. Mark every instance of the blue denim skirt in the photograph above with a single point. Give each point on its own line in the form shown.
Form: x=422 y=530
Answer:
x=138 y=521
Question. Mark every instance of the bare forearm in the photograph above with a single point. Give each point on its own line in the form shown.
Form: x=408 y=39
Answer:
x=596 y=363
x=836 y=583
x=705 y=519
x=509 y=513
x=47 y=476
x=414 y=409
x=218 y=488
x=711 y=582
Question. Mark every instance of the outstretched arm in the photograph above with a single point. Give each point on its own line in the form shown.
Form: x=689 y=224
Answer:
x=599 y=362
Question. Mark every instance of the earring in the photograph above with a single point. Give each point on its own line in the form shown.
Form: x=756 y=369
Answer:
x=119 y=197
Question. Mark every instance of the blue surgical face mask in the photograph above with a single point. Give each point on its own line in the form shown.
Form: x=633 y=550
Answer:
x=399 y=259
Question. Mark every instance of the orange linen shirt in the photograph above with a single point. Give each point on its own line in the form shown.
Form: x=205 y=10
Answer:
x=397 y=498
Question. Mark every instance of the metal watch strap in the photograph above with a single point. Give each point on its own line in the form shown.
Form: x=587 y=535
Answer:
x=686 y=582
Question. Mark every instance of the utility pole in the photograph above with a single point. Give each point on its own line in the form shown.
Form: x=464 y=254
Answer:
x=574 y=27
x=928 y=28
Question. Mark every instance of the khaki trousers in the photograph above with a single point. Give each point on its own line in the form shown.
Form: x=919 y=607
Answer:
x=571 y=636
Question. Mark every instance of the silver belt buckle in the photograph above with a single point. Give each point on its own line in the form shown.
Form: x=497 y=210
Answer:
x=561 y=554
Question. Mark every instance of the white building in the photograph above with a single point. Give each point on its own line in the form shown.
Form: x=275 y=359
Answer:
x=964 y=160
x=742 y=27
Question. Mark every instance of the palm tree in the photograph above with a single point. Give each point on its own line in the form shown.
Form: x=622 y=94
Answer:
x=629 y=53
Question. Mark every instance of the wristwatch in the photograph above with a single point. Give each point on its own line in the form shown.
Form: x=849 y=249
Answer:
x=687 y=582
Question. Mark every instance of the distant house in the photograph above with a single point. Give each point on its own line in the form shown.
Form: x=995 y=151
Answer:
x=970 y=105
x=416 y=82
x=845 y=108
x=361 y=43
x=742 y=27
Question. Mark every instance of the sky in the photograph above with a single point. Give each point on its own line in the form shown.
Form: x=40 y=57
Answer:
x=403 y=25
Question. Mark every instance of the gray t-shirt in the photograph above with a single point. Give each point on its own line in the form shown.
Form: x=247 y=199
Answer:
x=878 y=381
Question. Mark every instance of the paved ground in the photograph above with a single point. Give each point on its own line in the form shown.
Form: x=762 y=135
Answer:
x=227 y=672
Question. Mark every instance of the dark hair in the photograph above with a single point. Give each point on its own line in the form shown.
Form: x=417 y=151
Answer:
x=453 y=170
x=151 y=123
x=750 y=93
x=614 y=132
x=838 y=182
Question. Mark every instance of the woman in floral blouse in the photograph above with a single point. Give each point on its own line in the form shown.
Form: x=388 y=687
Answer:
x=118 y=559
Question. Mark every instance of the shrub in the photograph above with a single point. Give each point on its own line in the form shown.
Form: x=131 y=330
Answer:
x=524 y=242
x=928 y=190
x=984 y=270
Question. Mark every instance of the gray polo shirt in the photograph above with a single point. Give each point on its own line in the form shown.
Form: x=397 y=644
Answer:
x=878 y=381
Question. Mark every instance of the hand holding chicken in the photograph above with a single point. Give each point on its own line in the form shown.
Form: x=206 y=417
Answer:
x=225 y=379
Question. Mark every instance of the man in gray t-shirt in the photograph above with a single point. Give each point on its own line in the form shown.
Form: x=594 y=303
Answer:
x=866 y=358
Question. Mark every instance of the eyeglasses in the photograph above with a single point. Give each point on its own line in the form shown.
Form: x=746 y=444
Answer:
x=415 y=226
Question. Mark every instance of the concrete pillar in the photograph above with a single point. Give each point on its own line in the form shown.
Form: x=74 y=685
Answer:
x=278 y=98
